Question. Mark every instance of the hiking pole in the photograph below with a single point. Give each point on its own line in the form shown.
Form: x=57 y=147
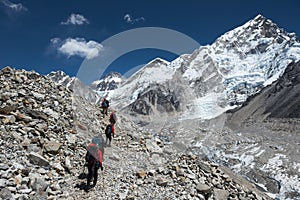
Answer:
x=103 y=178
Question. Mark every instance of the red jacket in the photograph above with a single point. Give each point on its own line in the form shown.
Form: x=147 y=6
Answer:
x=113 y=129
x=96 y=153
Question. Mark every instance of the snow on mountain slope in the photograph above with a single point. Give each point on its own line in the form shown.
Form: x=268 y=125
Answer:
x=256 y=53
x=279 y=100
x=107 y=84
x=237 y=65
x=62 y=78
x=130 y=89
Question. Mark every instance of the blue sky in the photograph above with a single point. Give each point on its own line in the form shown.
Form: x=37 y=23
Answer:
x=55 y=35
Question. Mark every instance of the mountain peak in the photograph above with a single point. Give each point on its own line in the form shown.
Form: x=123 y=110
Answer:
x=108 y=82
x=259 y=17
x=112 y=74
x=159 y=61
x=58 y=73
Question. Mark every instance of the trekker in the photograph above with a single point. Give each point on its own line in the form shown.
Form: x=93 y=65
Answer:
x=113 y=118
x=109 y=133
x=93 y=158
x=105 y=105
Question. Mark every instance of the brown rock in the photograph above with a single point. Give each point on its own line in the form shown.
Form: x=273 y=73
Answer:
x=6 y=110
x=141 y=174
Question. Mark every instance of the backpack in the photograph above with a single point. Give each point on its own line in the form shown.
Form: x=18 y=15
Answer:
x=90 y=159
x=107 y=103
x=104 y=104
x=108 y=129
x=113 y=118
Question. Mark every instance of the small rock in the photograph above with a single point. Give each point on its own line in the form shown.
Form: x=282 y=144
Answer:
x=141 y=174
x=37 y=159
x=114 y=157
x=52 y=147
x=203 y=188
x=221 y=194
x=6 y=194
x=162 y=182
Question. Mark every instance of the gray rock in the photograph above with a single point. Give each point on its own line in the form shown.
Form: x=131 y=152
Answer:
x=2 y=183
x=37 y=159
x=71 y=138
x=51 y=113
x=38 y=95
x=114 y=157
x=180 y=172
x=203 y=188
x=25 y=191
x=37 y=183
x=153 y=148
x=4 y=167
x=205 y=167
x=52 y=147
x=6 y=194
x=220 y=194
x=162 y=182
x=68 y=163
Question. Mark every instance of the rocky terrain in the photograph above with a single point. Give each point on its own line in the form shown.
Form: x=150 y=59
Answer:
x=43 y=138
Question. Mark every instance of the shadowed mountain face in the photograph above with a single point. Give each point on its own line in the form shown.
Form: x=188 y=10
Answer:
x=156 y=98
x=279 y=100
x=284 y=97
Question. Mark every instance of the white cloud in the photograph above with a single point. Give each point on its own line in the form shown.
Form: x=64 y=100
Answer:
x=55 y=41
x=127 y=18
x=130 y=20
x=76 y=19
x=13 y=6
x=78 y=46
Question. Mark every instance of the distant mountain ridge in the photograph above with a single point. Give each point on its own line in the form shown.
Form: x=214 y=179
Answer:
x=213 y=79
x=75 y=85
x=216 y=77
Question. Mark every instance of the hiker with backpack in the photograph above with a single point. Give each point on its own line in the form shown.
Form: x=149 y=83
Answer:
x=93 y=159
x=109 y=133
x=112 y=118
x=105 y=105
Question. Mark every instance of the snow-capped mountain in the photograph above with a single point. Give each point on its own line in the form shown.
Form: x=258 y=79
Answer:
x=62 y=78
x=108 y=83
x=75 y=85
x=142 y=79
x=217 y=77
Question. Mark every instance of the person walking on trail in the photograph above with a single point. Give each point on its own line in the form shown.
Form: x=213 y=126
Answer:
x=93 y=158
x=109 y=133
x=113 y=118
x=105 y=105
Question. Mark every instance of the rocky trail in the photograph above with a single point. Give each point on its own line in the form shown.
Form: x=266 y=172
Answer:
x=44 y=130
